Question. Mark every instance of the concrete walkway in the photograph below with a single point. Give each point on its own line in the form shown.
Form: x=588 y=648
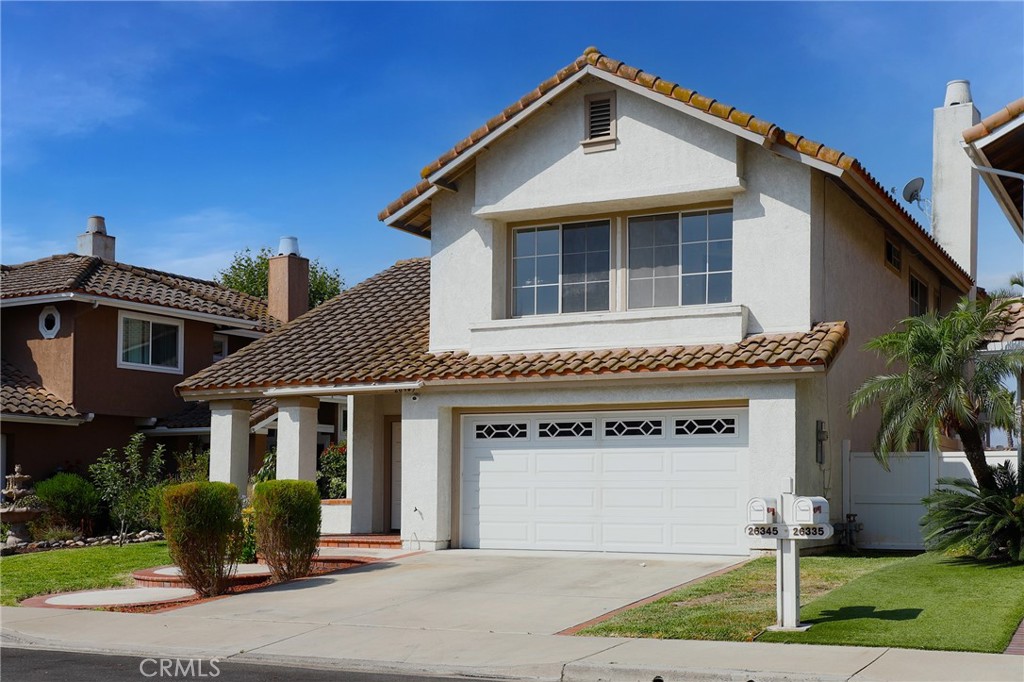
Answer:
x=475 y=614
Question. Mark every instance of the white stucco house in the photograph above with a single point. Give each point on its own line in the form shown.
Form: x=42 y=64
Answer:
x=642 y=307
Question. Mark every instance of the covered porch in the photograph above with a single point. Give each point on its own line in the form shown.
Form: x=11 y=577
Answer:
x=372 y=504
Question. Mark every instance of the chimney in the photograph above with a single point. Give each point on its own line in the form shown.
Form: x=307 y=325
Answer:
x=95 y=241
x=954 y=180
x=288 y=281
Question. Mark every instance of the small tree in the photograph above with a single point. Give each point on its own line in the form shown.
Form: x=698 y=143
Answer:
x=124 y=478
x=247 y=273
x=947 y=382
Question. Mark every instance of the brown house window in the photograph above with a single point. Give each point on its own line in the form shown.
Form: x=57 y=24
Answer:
x=149 y=342
x=893 y=255
x=918 y=297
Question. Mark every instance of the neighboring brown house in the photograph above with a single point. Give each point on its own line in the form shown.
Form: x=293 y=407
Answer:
x=93 y=348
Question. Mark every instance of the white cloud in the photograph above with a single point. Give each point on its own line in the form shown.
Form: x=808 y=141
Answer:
x=197 y=244
x=80 y=71
x=21 y=245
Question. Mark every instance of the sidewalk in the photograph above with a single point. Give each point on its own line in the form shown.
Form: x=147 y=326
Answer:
x=480 y=654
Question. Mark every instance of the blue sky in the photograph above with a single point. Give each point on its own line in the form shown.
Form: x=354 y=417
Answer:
x=199 y=129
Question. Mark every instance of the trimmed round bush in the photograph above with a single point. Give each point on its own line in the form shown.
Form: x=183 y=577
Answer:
x=202 y=523
x=72 y=500
x=287 y=526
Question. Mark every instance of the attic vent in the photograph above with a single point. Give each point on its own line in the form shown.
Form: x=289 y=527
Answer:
x=600 y=118
x=600 y=123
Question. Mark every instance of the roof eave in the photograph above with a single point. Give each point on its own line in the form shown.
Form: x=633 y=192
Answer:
x=909 y=230
x=16 y=418
x=975 y=150
x=113 y=302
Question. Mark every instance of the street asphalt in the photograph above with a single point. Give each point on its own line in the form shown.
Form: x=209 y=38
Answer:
x=28 y=665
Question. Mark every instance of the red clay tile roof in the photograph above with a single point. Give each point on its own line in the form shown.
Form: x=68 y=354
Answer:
x=378 y=331
x=20 y=395
x=196 y=415
x=989 y=124
x=92 y=275
x=1014 y=329
x=593 y=57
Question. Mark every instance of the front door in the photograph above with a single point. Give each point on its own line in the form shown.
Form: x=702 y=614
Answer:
x=396 y=475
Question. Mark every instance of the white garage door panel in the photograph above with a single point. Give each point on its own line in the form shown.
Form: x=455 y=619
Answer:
x=705 y=460
x=594 y=481
x=717 y=498
x=639 y=499
x=563 y=462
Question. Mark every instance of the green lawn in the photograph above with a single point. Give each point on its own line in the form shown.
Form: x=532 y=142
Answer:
x=67 y=570
x=927 y=602
x=736 y=606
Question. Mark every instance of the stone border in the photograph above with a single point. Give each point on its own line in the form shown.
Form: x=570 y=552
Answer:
x=148 y=577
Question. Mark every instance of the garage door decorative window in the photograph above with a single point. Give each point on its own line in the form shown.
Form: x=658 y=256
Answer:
x=577 y=429
x=718 y=426
x=633 y=427
x=500 y=431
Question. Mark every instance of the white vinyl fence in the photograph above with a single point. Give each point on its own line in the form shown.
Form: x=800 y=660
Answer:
x=888 y=503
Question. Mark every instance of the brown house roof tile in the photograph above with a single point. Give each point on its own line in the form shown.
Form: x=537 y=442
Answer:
x=593 y=57
x=378 y=332
x=20 y=395
x=92 y=275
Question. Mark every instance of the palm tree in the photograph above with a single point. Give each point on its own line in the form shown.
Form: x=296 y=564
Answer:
x=948 y=382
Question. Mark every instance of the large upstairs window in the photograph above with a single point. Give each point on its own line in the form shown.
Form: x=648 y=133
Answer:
x=680 y=259
x=149 y=342
x=561 y=268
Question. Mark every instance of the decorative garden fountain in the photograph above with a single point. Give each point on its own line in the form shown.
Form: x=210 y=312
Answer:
x=11 y=513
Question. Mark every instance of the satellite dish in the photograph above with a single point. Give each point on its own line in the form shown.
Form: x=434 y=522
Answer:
x=912 y=190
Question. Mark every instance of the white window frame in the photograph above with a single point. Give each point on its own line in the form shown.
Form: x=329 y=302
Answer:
x=612 y=256
x=123 y=364
x=46 y=312
x=680 y=214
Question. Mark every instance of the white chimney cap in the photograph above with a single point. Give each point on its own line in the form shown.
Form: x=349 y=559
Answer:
x=958 y=92
x=289 y=246
x=96 y=224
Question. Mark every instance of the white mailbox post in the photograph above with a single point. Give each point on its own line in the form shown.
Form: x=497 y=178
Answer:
x=792 y=518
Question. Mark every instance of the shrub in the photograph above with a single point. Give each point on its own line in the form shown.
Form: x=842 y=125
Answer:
x=287 y=526
x=72 y=500
x=123 y=480
x=985 y=524
x=193 y=465
x=331 y=472
x=247 y=554
x=202 y=523
x=267 y=470
x=48 y=529
x=154 y=504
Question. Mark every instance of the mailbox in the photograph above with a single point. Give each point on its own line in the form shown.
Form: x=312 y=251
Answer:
x=761 y=510
x=809 y=510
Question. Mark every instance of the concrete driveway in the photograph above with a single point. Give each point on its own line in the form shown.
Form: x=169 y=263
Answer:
x=468 y=590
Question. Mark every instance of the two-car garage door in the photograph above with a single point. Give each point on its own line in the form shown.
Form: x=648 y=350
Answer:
x=625 y=481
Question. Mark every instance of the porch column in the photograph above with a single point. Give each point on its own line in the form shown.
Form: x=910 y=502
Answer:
x=296 y=438
x=229 y=442
x=365 y=473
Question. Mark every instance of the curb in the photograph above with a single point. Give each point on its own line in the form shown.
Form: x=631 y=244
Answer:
x=590 y=672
